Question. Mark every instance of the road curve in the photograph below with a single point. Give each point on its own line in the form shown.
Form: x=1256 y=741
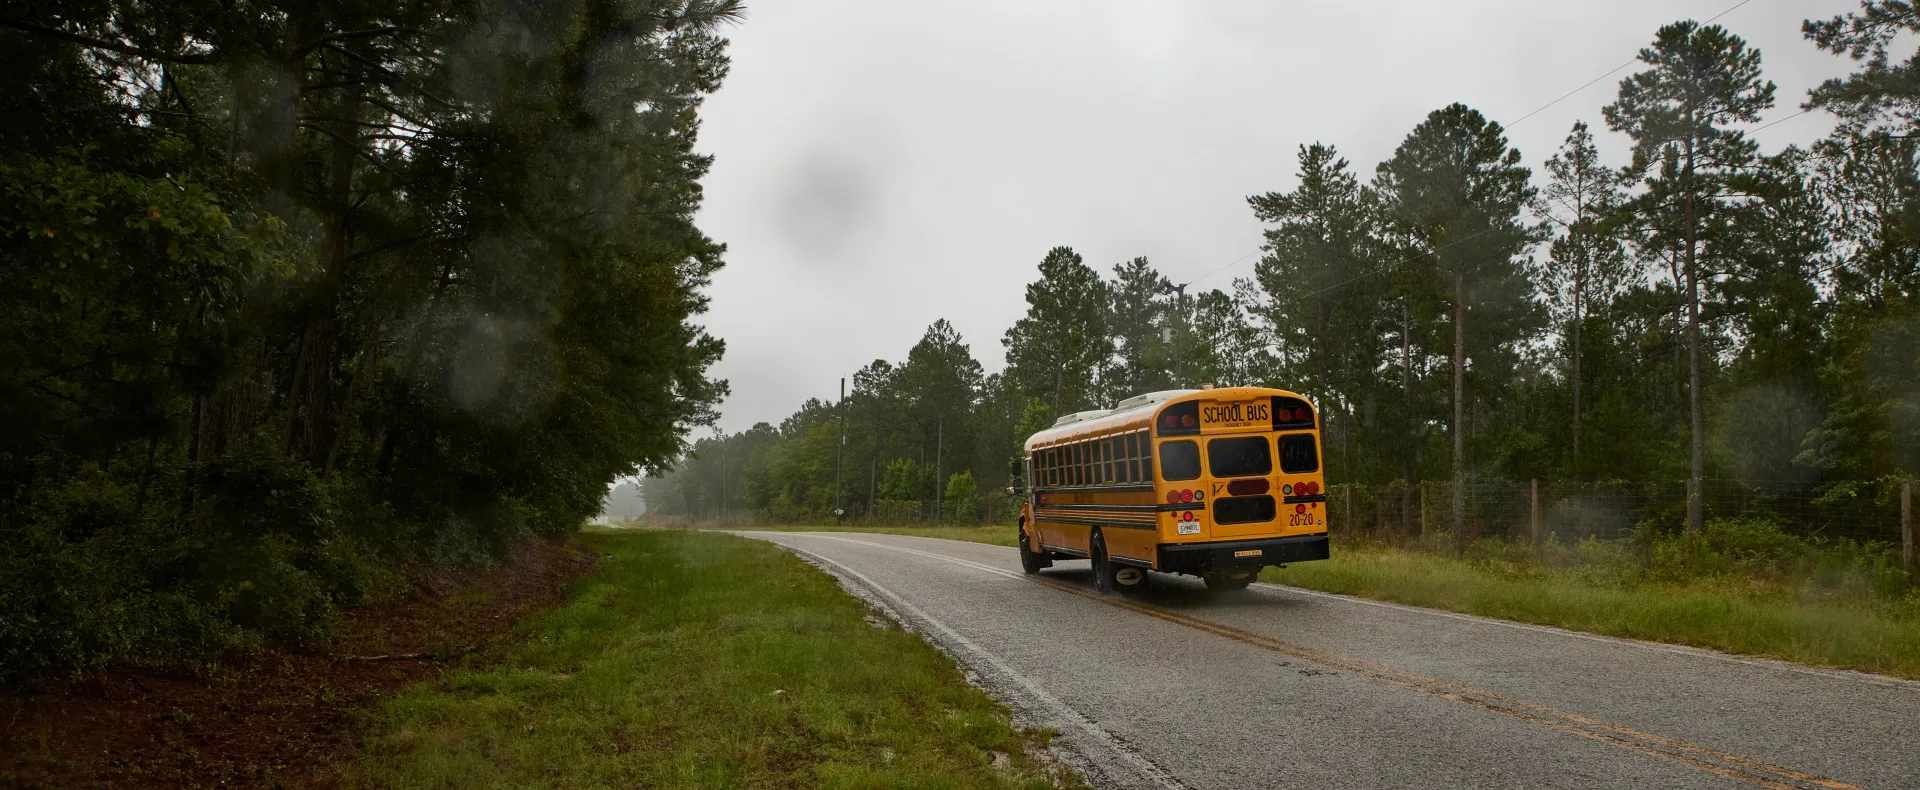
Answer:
x=1282 y=687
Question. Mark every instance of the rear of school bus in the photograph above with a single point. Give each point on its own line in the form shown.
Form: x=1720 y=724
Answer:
x=1239 y=471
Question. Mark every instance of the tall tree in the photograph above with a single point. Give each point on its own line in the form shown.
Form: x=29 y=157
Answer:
x=1587 y=260
x=1883 y=94
x=1321 y=304
x=940 y=382
x=1457 y=190
x=1702 y=80
x=1054 y=353
x=1140 y=318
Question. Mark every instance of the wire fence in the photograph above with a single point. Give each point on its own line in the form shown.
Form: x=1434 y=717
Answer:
x=1857 y=510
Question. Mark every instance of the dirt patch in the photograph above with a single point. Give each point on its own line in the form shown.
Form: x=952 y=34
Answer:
x=281 y=717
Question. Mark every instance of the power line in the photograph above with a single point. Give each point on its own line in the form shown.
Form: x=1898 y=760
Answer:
x=1516 y=122
x=1781 y=121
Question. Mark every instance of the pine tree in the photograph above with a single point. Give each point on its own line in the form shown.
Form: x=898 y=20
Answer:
x=1456 y=190
x=1702 y=80
x=1140 y=316
x=1587 y=261
x=1054 y=353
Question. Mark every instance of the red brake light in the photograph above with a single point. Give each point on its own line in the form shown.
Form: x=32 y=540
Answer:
x=1313 y=487
x=1299 y=508
x=1186 y=495
x=1173 y=497
x=1171 y=421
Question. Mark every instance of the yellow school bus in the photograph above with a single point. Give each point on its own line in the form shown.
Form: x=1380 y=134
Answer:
x=1215 y=483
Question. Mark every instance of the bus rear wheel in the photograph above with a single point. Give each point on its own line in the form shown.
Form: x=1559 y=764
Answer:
x=1228 y=579
x=1109 y=577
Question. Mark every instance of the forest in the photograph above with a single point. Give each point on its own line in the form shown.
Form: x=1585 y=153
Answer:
x=1710 y=313
x=292 y=293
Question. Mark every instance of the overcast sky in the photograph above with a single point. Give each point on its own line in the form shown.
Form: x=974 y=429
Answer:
x=880 y=165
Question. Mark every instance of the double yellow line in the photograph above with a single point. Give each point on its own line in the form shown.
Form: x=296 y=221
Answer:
x=1731 y=766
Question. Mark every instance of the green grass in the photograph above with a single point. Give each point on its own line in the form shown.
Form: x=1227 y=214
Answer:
x=1727 y=613
x=1723 y=614
x=702 y=660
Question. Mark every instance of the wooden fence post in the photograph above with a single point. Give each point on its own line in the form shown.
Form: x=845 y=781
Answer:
x=1533 y=524
x=1909 y=538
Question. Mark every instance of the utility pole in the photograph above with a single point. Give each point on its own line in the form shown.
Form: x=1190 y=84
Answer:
x=939 y=483
x=1179 y=317
x=723 y=474
x=840 y=448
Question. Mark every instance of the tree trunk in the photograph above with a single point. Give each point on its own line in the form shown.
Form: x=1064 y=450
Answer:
x=1406 y=419
x=1579 y=286
x=310 y=395
x=1459 y=401
x=1696 y=402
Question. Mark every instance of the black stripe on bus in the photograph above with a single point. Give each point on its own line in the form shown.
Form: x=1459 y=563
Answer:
x=1096 y=489
x=1127 y=508
x=1097 y=522
x=1299 y=498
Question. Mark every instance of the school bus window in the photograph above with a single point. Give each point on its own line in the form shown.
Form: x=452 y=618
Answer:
x=1080 y=463
x=1100 y=461
x=1180 y=460
x=1093 y=455
x=1146 y=457
x=1106 y=461
x=1133 y=458
x=1239 y=456
x=1298 y=454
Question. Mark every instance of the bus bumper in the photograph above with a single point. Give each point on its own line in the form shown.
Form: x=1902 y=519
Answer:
x=1198 y=558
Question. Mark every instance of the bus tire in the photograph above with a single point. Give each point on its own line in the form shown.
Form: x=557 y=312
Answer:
x=1109 y=577
x=1102 y=569
x=1230 y=579
x=1031 y=561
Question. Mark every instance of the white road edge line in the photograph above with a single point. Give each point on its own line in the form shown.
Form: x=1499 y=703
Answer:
x=1052 y=704
x=1882 y=681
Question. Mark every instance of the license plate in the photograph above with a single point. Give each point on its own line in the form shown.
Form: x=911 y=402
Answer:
x=1189 y=527
x=1248 y=553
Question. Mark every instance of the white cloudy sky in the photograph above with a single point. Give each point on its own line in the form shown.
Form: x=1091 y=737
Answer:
x=880 y=165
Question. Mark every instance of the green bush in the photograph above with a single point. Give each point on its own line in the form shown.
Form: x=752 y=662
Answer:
x=261 y=554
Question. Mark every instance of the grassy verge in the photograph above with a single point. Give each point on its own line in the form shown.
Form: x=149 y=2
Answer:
x=703 y=660
x=1727 y=612
x=1722 y=614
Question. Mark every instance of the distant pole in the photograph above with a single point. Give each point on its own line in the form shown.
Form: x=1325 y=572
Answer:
x=723 y=478
x=1179 y=318
x=1533 y=524
x=840 y=448
x=939 y=445
x=1910 y=537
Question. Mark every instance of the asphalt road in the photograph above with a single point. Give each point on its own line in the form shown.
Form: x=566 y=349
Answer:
x=1282 y=687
